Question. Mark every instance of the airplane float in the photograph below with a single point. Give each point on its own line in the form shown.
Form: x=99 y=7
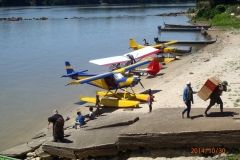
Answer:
x=117 y=62
x=112 y=82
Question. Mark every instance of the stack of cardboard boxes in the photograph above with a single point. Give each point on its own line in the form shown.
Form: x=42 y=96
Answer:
x=209 y=87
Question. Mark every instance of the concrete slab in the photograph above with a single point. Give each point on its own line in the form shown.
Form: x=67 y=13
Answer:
x=165 y=128
x=114 y=119
x=92 y=141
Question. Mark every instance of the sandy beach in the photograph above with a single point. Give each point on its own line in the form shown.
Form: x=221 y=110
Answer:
x=221 y=59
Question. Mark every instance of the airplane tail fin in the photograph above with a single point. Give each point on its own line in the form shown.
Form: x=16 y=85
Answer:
x=154 y=67
x=133 y=44
x=69 y=67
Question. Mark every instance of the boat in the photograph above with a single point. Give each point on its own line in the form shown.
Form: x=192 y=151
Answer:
x=179 y=29
x=187 y=26
x=180 y=50
x=187 y=41
x=166 y=58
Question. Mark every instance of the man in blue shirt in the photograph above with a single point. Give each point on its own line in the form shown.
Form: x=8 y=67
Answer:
x=80 y=120
x=187 y=98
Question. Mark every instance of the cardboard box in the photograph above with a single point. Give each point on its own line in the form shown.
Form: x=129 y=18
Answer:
x=209 y=87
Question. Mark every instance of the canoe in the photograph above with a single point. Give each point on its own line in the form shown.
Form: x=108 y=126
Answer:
x=187 y=26
x=179 y=29
x=186 y=41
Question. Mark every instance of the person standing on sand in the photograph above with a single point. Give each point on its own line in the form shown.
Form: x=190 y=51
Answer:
x=215 y=97
x=98 y=105
x=187 y=99
x=150 y=100
x=58 y=123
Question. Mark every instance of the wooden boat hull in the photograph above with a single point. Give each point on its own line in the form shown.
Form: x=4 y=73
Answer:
x=179 y=29
x=186 y=42
x=112 y=102
x=187 y=26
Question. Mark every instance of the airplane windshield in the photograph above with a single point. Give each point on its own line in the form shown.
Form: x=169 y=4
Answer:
x=118 y=76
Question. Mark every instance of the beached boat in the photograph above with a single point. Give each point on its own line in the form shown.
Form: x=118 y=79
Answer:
x=179 y=29
x=180 y=50
x=186 y=41
x=187 y=26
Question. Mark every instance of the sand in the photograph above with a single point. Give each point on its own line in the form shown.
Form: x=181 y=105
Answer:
x=221 y=59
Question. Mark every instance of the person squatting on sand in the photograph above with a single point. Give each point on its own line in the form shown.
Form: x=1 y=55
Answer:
x=187 y=98
x=98 y=105
x=215 y=97
x=150 y=100
x=80 y=120
x=58 y=123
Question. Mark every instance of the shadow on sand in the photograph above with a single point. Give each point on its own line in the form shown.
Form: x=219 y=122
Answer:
x=150 y=77
x=153 y=91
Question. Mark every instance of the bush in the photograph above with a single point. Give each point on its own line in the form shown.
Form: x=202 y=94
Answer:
x=207 y=14
x=221 y=8
x=233 y=9
x=203 y=5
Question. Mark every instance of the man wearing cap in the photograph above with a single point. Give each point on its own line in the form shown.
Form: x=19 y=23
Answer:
x=187 y=98
x=215 y=97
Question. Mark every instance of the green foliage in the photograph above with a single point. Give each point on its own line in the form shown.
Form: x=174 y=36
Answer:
x=221 y=8
x=233 y=155
x=224 y=2
x=203 y=5
x=233 y=9
x=226 y=20
x=206 y=14
x=191 y=10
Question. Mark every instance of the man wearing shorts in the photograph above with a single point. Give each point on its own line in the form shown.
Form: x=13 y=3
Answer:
x=215 y=97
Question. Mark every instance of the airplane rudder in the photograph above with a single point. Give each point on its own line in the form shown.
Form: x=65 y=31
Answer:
x=69 y=67
x=133 y=43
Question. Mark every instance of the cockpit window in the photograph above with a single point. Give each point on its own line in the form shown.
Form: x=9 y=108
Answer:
x=118 y=76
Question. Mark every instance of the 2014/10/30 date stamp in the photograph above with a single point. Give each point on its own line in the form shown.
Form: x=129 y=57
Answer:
x=208 y=150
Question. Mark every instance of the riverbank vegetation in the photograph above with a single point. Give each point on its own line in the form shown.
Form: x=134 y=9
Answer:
x=79 y=2
x=226 y=14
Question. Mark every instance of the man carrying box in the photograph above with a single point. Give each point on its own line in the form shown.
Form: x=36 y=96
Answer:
x=215 y=97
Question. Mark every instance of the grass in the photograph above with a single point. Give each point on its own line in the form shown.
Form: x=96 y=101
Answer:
x=226 y=20
x=233 y=155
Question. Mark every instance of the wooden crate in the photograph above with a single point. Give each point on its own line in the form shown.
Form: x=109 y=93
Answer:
x=209 y=87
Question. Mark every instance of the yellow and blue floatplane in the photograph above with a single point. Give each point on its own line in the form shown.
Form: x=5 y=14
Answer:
x=112 y=82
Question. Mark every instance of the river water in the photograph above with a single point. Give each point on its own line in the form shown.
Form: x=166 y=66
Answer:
x=33 y=52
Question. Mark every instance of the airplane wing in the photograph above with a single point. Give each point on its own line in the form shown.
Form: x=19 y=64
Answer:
x=130 y=67
x=86 y=80
x=141 y=53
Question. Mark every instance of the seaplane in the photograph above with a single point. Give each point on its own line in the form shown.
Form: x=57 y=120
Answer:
x=112 y=82
x=164 y=49
x=117 y=62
